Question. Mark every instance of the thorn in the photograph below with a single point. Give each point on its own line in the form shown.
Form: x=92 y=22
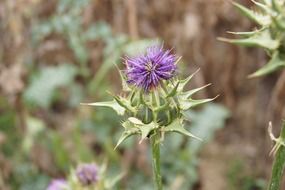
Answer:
x=272 y=137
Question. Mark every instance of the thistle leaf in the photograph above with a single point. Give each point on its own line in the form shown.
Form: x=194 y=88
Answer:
x=111 y=104
x=279 y=21
x=188 y=94
x=261 y=39
x=130 y=129
x=183 y=82
x=135 y=121
x=123 y=137
x=265 y=8
x=177 y=126
x=189 y=103
x=146 y=129
x=249 y=13
x=267 y=2
x=277 y=6
x=243 y=34
x=274 y=64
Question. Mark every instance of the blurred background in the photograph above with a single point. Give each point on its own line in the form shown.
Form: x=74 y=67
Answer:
x=55 y=54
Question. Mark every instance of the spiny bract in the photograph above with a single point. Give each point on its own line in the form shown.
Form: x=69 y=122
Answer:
x=270 y=16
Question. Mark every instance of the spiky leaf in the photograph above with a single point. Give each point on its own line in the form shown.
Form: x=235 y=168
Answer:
x=177 y=126
x=123 y=137
x=186 y=104
x=144 y=129
x=111 y=104
x=188 y=94
x=259 y=19
x=130 y=129
x=274 y=64
x=183 y=82
x=261 y=39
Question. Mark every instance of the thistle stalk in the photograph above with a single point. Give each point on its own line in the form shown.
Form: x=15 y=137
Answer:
x=279 y=163
x=155 y=147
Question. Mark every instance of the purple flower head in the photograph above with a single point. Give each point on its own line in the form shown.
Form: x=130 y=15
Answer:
x=148 y=70
x=58 y=184
x=87 y=174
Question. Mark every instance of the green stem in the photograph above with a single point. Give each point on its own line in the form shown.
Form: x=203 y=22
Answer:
x=278 y=165
x=155 y=145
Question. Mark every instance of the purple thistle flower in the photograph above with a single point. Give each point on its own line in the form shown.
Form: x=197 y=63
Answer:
x=148 y=70
x=87 y=174
x=58 y=184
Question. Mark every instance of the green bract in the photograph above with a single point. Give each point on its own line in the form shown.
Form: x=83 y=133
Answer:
x=270 y=16
x=158 y=111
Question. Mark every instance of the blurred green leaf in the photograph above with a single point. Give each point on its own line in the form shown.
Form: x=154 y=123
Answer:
x=38 y=182
x=205 y=123
x=177 y=126
x=43 y=85
x=61 y=156
x=34 y=127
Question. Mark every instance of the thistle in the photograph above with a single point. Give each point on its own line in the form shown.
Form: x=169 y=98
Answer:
x=270 y=17
x=86 y=177
x=153 y=101
x=58 y=184
x=87 y=174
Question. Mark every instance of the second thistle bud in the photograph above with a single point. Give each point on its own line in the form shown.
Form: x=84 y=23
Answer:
x=58 y=184
x=87 y=174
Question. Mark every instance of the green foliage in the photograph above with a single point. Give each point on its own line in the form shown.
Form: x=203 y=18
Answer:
x=68 y=22
x=270 y=16
x=34 y=127
x=43 y=85
x=28 y=177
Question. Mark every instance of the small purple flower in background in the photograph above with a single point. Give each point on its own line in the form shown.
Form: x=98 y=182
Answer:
x=58 y=184
x=87 y=174
x=148 y=70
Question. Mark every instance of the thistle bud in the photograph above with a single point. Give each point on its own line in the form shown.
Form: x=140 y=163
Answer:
x=87 y=174
x=147 y=71
x=58 y=184
x=154 y=99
